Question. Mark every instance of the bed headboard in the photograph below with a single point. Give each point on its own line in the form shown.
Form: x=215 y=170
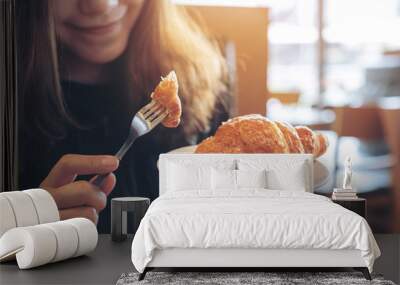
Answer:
x=277 y=162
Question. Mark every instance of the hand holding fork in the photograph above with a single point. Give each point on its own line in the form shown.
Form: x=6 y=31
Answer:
x=146 y=119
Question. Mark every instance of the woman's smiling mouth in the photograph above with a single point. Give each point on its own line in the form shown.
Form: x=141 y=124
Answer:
x=102 y=30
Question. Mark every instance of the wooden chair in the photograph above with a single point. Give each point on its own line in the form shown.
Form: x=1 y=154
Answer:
x=286 y=98
x=360 y=122
x=390 y=114
x=356 y=126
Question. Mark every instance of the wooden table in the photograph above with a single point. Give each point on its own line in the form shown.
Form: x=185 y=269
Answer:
x=314 y=118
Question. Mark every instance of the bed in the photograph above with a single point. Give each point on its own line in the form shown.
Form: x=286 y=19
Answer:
x=247 y=211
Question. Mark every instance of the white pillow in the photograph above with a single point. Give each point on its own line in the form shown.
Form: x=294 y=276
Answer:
x=295 y=180
x=290 y=175
x=251 y=178
x=182 y=177
x=227 y=179
x=223 y=179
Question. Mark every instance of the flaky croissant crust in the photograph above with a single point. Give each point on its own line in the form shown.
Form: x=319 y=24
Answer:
x=166 y=94
x=257 y=134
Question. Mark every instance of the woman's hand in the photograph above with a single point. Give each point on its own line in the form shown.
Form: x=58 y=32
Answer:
x=80 y=198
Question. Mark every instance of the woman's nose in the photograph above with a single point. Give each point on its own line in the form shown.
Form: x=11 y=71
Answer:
x=90 y=7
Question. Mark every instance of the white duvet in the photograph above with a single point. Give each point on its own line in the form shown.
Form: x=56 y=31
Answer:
x=250 y=219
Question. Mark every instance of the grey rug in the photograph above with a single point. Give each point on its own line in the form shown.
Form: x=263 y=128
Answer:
x=231 y=278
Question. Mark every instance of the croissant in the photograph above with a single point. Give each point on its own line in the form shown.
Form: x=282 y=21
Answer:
x=166 y=94
x=257 y=134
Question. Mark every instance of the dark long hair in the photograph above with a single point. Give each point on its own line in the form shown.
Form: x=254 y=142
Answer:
x=41 y=104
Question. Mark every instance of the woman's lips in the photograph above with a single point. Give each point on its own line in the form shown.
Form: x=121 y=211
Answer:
x=98 y=30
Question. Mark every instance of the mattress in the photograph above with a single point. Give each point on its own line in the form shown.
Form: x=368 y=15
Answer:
x=250 y=219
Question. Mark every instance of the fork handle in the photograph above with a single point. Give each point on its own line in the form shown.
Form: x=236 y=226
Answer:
x=100 y=179
x=120 y=154
x=125 y=147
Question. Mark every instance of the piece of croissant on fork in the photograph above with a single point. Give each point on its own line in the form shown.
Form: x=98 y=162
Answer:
x=257 y=134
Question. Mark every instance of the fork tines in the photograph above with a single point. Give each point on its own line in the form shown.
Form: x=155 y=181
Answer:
x=153 y=112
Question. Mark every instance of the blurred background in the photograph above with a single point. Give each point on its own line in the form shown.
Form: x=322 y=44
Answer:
x=330 y=65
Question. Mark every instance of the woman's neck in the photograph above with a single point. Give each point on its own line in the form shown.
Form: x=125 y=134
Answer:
x=76 y=69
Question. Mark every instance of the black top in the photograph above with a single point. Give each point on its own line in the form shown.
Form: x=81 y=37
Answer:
x=103 y=129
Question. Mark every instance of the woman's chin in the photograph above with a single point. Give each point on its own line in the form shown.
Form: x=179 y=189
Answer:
x=101 y=54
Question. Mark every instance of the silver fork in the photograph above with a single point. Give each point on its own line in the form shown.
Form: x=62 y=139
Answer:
x=146 y=119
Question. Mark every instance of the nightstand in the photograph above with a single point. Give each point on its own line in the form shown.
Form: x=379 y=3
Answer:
x=358 y=206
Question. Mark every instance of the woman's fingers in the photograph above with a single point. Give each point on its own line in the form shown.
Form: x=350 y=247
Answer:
x=108 y=183
x=80 y=212
x=71 y=165
x=79 y=193
x=81 y=198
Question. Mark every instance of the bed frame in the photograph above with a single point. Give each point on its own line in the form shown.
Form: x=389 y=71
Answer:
x=250 y=259
x=242 y=259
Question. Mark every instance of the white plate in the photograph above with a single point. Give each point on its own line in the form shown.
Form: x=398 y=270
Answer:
x=185 y=149
x=321 y=173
